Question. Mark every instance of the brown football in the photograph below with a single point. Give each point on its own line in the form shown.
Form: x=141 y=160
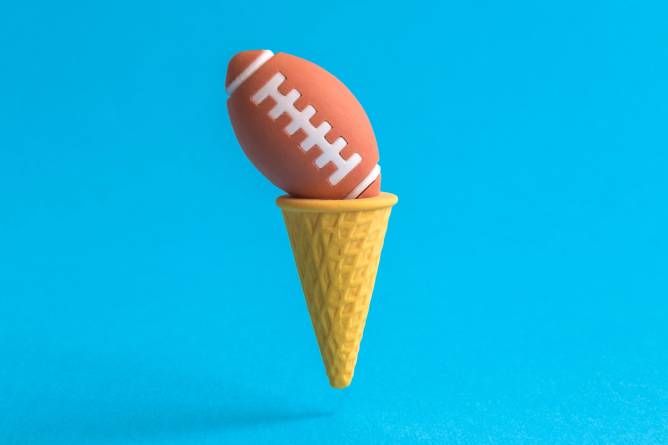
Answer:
x=301 y=127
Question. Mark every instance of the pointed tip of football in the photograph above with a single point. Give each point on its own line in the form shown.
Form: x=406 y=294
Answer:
x=243 y=65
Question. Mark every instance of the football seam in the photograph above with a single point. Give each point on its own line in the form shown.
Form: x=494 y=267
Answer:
x=300 y=120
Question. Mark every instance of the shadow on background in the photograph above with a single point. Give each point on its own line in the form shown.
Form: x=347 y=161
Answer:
x=99 y=403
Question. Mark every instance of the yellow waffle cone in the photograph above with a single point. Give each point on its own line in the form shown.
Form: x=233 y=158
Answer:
x=337 y=244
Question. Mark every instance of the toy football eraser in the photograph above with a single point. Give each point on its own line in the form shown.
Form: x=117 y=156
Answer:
x=301 y=127
x=306 y=132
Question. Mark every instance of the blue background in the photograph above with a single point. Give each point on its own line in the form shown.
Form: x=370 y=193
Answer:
x=147 y=288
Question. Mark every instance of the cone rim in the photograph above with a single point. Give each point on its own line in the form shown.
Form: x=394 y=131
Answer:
x=381 y=201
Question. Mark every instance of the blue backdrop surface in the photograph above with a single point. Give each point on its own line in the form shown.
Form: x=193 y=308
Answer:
x=147 y=289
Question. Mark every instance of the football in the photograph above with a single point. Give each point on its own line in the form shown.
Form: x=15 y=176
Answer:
x=301 y=127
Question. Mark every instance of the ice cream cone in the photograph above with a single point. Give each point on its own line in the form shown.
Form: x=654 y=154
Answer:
x=337 y=245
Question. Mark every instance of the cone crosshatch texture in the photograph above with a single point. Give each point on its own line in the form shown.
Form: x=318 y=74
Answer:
x=337 y=245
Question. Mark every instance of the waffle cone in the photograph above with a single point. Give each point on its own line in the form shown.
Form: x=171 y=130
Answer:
x=337 y=245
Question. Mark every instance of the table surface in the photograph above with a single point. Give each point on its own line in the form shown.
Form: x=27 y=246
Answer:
x=147 y=289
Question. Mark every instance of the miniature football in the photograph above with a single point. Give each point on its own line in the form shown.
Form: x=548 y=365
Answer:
x=301 y=127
